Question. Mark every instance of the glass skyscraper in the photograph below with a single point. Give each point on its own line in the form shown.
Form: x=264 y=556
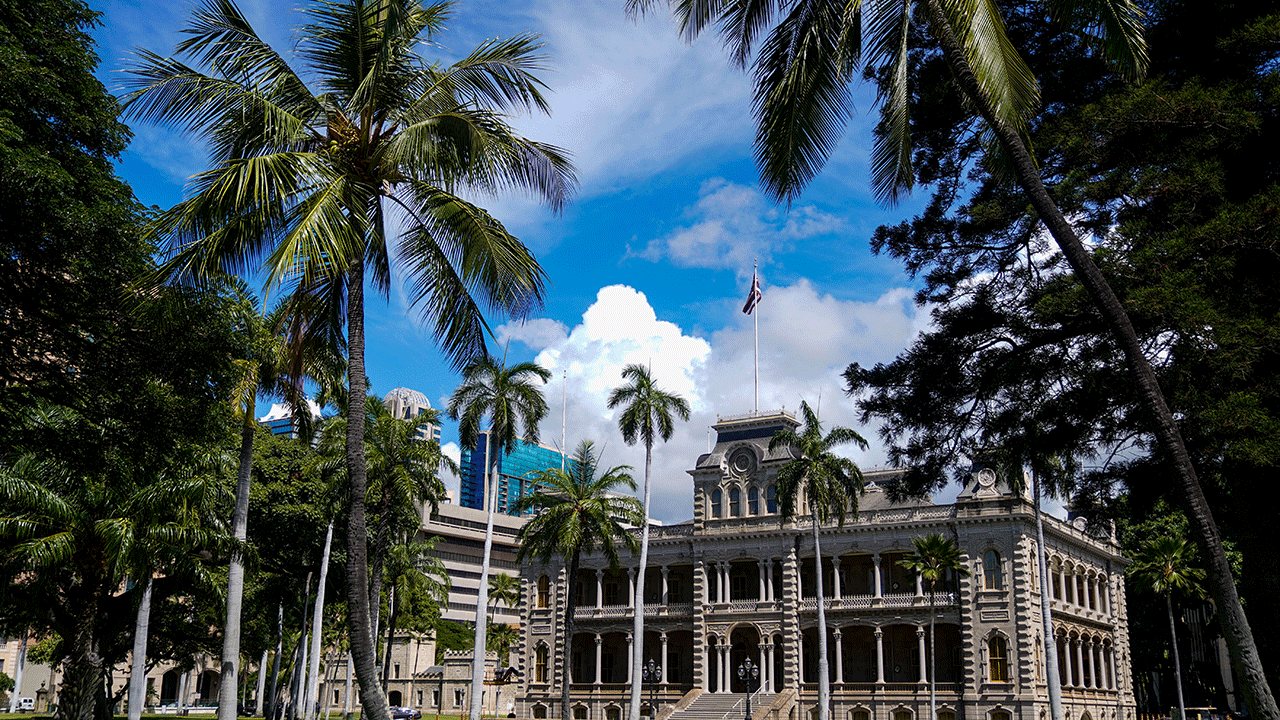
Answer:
x=517 y=473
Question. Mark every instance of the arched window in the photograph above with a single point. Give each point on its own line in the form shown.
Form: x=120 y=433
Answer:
x=771 y=499
x=717 y=499
x=859 y=715
x=540 y=664
x=539 y=712
x=946 y=715
x=544 y=592
x=735 y=502
x=992 y=579
x=901 y=715
x=753 y=500
x=998 y=660
x=1004 y=715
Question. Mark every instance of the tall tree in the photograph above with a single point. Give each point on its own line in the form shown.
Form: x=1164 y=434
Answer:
x=1165 y=566
x=305 y=177
x=411 y=570
x=576 y=511
x=505 y=589
x=511 y=397
x=647 y=417
x=267 y=372
x=933 y=558
x=803 y=72
x=830 y=485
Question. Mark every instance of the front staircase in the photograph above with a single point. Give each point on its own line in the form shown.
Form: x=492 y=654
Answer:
x=722 y=706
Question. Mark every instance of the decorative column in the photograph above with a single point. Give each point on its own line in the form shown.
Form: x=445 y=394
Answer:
x=875 y=560
x=760 y=574
x=631 y=594
x=724 y=667
x=919 y=586
x=924 y=659
x=665 y=571
x=1066 y=656
x=879 y=639
x=630 y=648
x=663 y=639
x=599 y=655
x=599 y=587
x=769 y=667
x=768 y=580
x=724 y=575
x=839 y=656
x=835 y=577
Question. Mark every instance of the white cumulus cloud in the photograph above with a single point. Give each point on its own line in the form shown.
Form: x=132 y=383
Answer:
x=806 y=339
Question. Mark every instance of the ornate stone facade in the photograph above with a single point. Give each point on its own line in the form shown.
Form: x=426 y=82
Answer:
x=737 y=583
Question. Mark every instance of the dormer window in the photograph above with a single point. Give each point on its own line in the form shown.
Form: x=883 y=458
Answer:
x=735 y=502
x=717 y=499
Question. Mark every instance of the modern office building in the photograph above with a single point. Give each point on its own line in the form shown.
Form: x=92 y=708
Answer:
x=405 y=404
x=736 y=583
x=517 y=472
x=279 y=419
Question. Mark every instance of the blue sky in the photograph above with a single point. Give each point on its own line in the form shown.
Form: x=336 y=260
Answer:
x=652 y=261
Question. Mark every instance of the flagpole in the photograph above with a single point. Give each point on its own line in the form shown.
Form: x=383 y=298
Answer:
x=756 y=318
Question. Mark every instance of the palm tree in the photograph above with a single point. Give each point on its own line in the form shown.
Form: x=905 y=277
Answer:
x=578 y=511
x=1165 y=565
x=512 y=400
x=411 y=570
x=933 y=558
x=266 y=371
x=802 y=76
x=505 y=589
x=830 y=485
x=307 y=178
x=648 y=415
x=72 y=534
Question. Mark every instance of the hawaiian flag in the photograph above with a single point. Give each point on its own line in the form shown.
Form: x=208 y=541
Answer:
x=754 y=296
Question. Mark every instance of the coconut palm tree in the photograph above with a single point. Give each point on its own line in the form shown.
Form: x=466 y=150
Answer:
x=648 y=416
x=577 y=511
x=511 y=397
x=1165 y=565
x=933 y=558
x=803 y=72
x=505 y=589
x=314 y=169
x=830 y=485
x=411 y=569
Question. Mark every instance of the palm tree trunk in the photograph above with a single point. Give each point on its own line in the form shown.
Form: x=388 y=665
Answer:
x=482 y=599
x=82 y=674
x=235 y=573
x=300 y=671
x=372 y=700
x=260 y=696
x=824 y=681
x=317 y=624
x=1244 y=651
x=391 y=634
x=1177 y=663
x=138 y=668
x=1046 y=612
x=570 y=607
x=933 y=665
x=275 y=669
x=637 y=653
x=17 y=674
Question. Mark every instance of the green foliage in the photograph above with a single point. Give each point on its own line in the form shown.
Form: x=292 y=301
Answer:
x=933 y=557
x=452 y=635
x=832 y=484
x=6 y=683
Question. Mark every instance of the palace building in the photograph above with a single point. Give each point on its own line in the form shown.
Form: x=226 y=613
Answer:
x=737 y=583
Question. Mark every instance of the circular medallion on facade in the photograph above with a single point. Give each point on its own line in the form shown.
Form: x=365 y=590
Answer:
x=987 y=477
x=742 y=462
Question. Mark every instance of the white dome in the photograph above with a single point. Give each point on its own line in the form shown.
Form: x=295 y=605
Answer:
x=407 y=397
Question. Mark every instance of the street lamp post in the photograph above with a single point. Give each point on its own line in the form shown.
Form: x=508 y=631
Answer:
x=748 y=673
x=652 y=673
